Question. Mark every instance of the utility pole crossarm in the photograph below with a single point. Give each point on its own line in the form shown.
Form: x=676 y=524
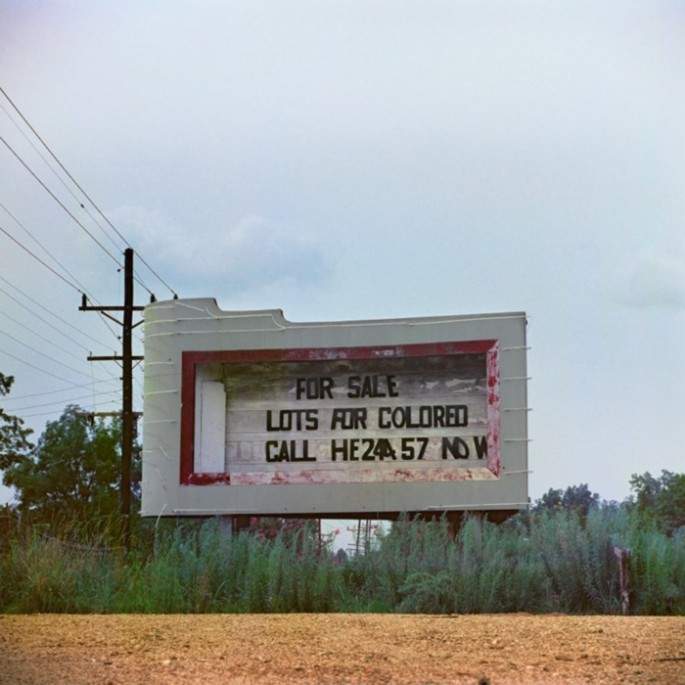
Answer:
x=115 y=308
x=105 y=414
x=85 y=307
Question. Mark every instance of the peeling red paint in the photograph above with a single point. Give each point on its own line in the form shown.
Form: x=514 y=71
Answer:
x=208 y=479
x=492 y=361
x=362 y=476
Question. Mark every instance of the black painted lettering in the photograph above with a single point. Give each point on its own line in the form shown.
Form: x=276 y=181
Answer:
x=384 y=449
x=339 y=449
x=456 y=447
x=303 y=453
x=481 y=444
x=346 y=418
x=300 y=384
x=278 y=451
x=338 y=418
x=371 y=386
x=398 y=417
x=312 y=419
x=354 y=384
x=408 y=452
x=368 y=452
x=423 y=416
x=269 y=424
x=326 y=387
x=292 y=419
x=317 y=388
x=409 y=448
x=457 y=415
x=271 y=450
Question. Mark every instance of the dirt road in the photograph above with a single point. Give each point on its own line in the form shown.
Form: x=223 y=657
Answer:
x=335 y=648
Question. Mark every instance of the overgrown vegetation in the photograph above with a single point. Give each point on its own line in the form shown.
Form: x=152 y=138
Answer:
x=556 y=561
x=59 y=553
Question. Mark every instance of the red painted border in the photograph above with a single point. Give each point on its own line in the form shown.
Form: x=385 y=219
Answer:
x=190 y=359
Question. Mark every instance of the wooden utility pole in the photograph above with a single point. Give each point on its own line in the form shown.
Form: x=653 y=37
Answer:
x=127 y=414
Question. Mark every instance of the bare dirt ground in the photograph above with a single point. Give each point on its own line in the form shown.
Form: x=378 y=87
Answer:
x=335 y=648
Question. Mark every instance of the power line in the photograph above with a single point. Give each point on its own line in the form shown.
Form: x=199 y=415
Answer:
x=57 y=176
x=38 y=259
x=38 y=304
x=47 y=266
x=41 y=413
x=33 y=366
x=38 y=335
x=69 y=401
x=58 y=201
x=42 y=354
x=54 y=392
x=45 y=249
x=75 y=182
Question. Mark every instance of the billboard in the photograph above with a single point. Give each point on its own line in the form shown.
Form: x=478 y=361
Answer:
x=248 y=414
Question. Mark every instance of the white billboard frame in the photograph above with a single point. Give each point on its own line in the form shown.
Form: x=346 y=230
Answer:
x=197 y=462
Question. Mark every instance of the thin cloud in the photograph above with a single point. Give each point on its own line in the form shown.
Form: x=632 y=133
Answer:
x=252 y=254
x=653 y=281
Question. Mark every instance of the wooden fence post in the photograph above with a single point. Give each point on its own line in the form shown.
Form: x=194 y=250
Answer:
x=623 y=557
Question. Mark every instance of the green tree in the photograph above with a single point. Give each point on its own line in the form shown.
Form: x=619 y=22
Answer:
x=14 y=437
x=575 y=497
x=73 y=472
x=660 y=500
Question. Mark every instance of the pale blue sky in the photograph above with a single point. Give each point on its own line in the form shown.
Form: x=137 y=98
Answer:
x=347 y=159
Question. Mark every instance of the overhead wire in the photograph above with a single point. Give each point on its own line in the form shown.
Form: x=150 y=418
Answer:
x=33 y=366
x=73 y=195
x=57 y=176
x=58 y=201
x=115 y=394
x=38 y=304
x=70 y=279
x=82 y=288
x=42 y=354
x=105 y=369
x=63 y=206
x=85 y=194
x=81 y=189
x=69 y=401
x=38 y=259
x=49 y=268
x=39 y=335
x=17 y=398
x=40 y=413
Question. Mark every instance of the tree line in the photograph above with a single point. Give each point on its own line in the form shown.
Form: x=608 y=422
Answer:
x=73 y=472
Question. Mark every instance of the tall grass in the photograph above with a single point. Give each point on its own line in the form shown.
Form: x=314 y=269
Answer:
x=554 y=562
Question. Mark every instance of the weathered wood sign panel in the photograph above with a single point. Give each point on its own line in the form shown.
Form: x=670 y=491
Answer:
x=354 y=415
